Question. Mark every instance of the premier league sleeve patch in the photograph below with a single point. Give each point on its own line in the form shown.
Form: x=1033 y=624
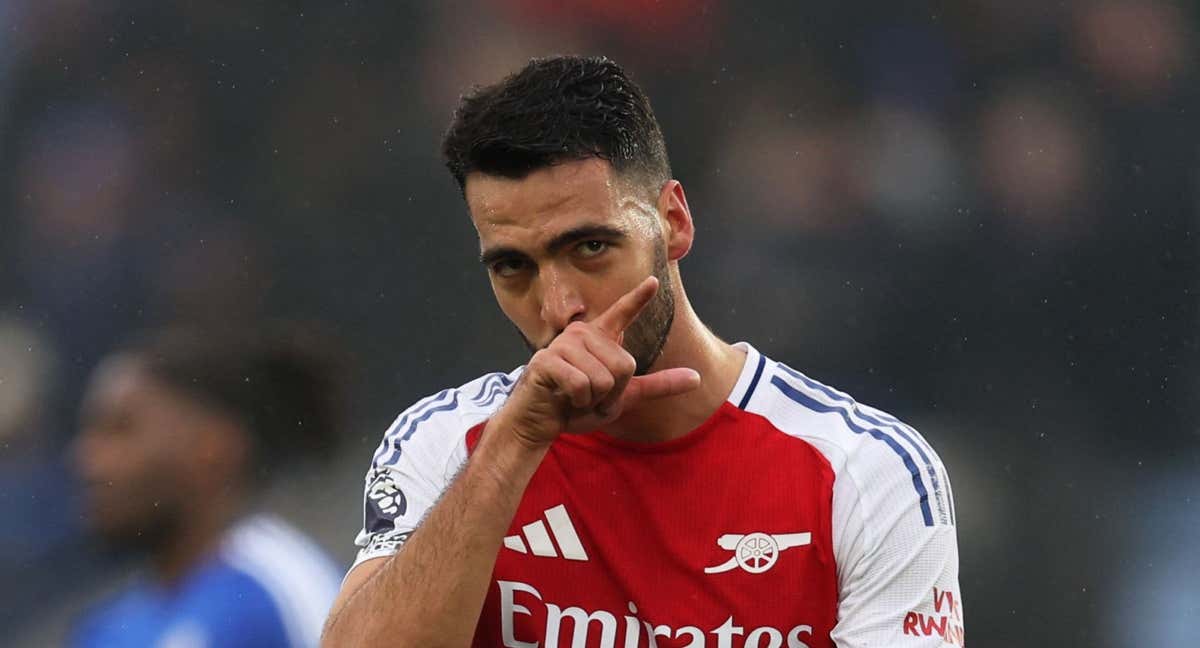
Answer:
x=384 y=502
x=385 y=543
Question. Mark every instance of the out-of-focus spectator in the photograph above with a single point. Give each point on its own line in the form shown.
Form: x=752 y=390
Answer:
x=26 y=367
x=1037 y=162
x=40 y=529
x=179 y=433
x=500 y=41
x=1137 y=49
x=235 y=281
x=662 y=31
x=912 y=172
x=77 y=191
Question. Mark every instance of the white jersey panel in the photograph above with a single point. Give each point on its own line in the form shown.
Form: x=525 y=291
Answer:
x=300 y=579
x=893 y=515
x=420 y=454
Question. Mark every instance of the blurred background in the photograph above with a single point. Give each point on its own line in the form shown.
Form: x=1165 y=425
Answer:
x=978 y=215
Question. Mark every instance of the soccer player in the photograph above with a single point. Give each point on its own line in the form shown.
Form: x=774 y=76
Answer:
x=178 y=433
x=639 y=482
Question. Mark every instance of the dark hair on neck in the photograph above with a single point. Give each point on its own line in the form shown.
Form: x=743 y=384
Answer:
x=557 y=109
x=281 y=385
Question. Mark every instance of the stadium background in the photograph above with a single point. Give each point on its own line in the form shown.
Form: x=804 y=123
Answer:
x=980 y=215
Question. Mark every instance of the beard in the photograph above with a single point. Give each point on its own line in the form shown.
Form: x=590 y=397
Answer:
x=136 y=531
x=646 y=336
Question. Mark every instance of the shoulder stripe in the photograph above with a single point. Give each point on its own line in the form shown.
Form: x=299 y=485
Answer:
x=487 y=390
x=492 y=382
x=883 y=420
x=877 y=418
x=762 y=362
x=949 y=496
x=810 y=403
x=893 y=420
x=502 y=386
x=412 y=427
x=420 y=407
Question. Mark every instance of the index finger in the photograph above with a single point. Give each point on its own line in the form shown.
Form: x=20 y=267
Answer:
x=621 y=314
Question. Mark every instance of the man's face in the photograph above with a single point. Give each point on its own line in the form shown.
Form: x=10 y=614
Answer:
x=131 y=455
x=564 y=243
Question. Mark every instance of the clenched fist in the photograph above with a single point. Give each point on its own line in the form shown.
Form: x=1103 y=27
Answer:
x=584 y=378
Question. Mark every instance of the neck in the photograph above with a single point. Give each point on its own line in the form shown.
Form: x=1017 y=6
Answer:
x=690 y=344
x=196 y=539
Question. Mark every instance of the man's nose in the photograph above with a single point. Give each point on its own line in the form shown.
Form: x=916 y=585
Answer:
x=561 y=301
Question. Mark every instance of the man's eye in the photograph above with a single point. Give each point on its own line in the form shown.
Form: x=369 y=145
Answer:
x=508 y=267
x=592 y=248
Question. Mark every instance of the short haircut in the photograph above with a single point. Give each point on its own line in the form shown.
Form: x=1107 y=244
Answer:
x=557 y=109
x=281 y=385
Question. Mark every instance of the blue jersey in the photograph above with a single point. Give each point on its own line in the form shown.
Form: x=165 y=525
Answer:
x=267 y=586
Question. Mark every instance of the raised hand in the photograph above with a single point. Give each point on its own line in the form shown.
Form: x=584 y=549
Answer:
x=584 y=378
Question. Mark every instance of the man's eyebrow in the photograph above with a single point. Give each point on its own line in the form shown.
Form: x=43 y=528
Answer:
x=582 y=233
x=573 y=235
x=492 y=255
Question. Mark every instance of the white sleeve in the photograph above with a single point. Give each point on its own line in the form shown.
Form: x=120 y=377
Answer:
x=419 y=456
x=897 y=565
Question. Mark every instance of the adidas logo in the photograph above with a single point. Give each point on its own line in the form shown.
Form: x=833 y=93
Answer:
x=539 y=538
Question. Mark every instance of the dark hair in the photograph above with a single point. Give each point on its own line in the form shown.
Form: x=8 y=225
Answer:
x=557 y=109
x=281 y=385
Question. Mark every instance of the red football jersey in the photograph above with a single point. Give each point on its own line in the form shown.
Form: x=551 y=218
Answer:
x=793 y=517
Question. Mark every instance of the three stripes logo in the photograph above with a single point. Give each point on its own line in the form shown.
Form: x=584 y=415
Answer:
x=537 y=540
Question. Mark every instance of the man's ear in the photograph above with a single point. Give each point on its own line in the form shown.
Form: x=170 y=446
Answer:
x=673 y=209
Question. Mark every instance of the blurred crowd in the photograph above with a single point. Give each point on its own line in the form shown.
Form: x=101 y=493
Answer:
x=979 y=215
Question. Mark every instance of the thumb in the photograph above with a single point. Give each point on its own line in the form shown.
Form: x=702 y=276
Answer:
x=660 y=384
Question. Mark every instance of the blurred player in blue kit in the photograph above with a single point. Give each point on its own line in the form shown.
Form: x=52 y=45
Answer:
x=178 y=434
